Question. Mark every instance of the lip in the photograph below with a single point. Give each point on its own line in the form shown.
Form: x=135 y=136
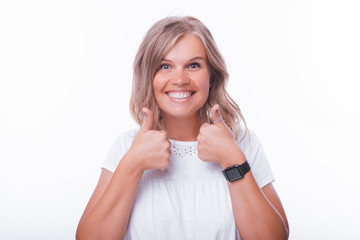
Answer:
x=180 y=95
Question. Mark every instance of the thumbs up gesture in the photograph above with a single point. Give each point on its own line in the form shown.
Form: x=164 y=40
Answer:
x=150 y=148
x=216 y=142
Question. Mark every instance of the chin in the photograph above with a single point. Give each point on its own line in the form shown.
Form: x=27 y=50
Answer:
x=180 y=114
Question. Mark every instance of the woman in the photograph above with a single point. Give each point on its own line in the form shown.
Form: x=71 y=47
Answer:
x=166 y=179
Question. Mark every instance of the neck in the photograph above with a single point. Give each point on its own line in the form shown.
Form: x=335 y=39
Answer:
x=182 y=129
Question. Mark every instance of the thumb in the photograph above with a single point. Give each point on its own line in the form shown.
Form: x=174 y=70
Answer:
x=215 y=114
x=148 y=120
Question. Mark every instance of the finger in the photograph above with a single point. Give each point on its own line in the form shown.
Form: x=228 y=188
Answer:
x=215 y=114
x=147 y=124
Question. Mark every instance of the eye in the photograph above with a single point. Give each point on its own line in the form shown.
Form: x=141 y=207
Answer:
x=164 y=66
x=194 y=65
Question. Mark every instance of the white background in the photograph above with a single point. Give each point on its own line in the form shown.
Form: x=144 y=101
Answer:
x=66 y=71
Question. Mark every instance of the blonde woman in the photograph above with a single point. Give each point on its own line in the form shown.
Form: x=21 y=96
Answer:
x=192 y=170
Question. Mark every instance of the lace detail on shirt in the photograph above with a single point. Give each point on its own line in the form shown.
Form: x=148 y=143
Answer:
x=180 y=150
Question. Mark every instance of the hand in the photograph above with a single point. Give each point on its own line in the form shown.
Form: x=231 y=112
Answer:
x=216 y=142
x=151 y=148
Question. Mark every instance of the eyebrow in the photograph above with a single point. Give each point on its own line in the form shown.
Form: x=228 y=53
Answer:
x=190 y=60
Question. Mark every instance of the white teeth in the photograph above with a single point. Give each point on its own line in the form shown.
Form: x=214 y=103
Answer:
x=179 y=95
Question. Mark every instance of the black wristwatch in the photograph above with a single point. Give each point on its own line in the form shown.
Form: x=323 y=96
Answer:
x=236 y=172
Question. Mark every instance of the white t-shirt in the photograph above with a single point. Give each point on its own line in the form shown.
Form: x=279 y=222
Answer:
x=190 y=199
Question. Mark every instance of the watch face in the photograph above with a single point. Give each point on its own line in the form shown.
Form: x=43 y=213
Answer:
x=233 y=174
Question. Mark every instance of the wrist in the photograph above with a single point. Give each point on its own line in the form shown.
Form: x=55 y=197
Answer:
x=236 y=171
x=236 y=156
x=133 y=164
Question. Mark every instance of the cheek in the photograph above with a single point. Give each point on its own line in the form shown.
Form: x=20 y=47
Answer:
x=157 y=84
x=160 y=80
x=205 y=89
x=206 y=86
x=206 y=78
x=205 y=83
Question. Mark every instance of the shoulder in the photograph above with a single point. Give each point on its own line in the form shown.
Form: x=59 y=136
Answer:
x=255 y=155
x=119 y=147
x=247 y=138
x=251 y=145
x=125 y=138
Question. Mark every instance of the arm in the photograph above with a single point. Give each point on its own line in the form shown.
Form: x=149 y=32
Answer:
x=258 y=212
x=108 y=211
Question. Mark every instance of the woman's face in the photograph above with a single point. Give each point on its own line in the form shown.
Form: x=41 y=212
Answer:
x=182 y=81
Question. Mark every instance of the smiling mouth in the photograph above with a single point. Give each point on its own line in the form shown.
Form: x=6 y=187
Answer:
x=180 y=96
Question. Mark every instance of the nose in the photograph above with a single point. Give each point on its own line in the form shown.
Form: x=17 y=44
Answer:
x=180 y=77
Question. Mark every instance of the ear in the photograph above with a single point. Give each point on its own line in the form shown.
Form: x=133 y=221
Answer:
x=210 y=82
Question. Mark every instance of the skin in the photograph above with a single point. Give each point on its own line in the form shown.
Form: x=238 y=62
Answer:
x=183 y=69
x=258 y=212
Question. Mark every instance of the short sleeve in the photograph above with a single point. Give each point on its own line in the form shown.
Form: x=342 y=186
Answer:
x=118 y=149
x=257 y=159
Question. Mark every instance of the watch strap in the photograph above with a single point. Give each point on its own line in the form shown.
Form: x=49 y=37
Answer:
x=236 y=171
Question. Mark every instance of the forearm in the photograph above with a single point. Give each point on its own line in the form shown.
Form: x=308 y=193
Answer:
x=109 y=217
x=255 y=216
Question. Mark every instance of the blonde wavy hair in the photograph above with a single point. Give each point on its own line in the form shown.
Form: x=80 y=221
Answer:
x=160 y=38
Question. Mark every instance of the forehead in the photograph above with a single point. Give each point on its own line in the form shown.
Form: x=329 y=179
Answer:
x=186 y=47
